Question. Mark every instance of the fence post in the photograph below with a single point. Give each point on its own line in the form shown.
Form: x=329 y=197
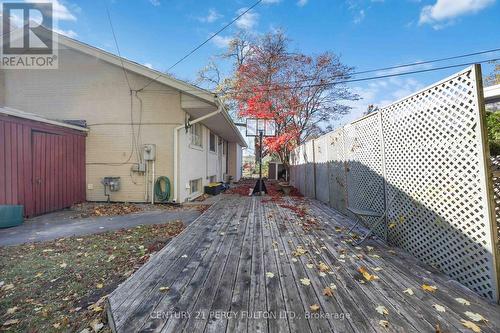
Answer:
x=314 y=168
x=346 y=168
x=488 y=181
x=382 y=158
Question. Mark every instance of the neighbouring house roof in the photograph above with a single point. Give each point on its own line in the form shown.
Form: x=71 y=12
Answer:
x=221 y=123
x=492 y=98
x=492 y=94
x=30 y=116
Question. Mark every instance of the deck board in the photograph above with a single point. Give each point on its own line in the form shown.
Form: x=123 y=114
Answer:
x=216 y=271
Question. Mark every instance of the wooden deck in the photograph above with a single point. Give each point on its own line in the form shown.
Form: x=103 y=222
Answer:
x=218 y=272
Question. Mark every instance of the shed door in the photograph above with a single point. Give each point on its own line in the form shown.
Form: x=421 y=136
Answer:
x=48 y=161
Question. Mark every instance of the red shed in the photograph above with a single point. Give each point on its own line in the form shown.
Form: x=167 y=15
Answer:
x=42 y=162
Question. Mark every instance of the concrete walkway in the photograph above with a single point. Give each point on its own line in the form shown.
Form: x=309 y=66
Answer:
x=57 y=225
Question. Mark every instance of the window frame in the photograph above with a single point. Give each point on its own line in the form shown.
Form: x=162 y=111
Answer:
x=192 y=134
x=210 y=135
x=200 y=185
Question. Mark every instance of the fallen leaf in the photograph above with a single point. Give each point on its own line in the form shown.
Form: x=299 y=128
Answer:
x=314 y=308
x=439 y=308
x=323 y=267
x=99 y=286
x=333 y=286
x=471 y=325
x=164 y=289
x=392 y=225
x=377 y=269
x=11 y=322
x=310 y=266
x=12 y=310
x=111 y=258
x=328 y=292
x=8 y=287
x=429 y=288
x=305 y=281
x=382 y=310
x=384 y=323
x=322 y=274
x=369 y=248
x=57 y=325
x=408 y=291
x=462 y=301
x=63 y=265
x=366 y=275
x=475 y=316
x=270 y=275
x=299 y=251
x=96 y=308
x=184 y=256
x=96 y=325
x=294 y=259
x=38 y=275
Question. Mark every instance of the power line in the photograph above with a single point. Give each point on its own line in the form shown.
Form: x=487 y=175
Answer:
x=377 y=69
x=379 y=77
x=429 y=61
x=355 y=80
x=403 y=65
x=206 y=41
x=117 y=47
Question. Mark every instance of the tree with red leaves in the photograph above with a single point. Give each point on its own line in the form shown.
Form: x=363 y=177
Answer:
x=301 y=93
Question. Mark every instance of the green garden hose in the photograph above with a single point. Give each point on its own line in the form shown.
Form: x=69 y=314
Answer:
x=162 y=195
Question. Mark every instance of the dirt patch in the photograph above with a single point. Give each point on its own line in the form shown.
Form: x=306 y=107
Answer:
x=97 y=209
x=62 y=285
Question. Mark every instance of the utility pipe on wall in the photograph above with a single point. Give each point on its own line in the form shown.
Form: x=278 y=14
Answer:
x=153 y=184
x=176 y=149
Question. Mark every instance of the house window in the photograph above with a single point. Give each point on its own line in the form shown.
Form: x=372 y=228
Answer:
x=195 y=186
x=212 y=143
x=196 y=133
x=212 y=179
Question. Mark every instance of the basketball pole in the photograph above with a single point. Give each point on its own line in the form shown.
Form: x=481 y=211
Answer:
x=260 y=161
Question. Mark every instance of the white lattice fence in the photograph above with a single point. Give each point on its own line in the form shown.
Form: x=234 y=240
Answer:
x=425 y=158
x=321 y=169
x=365 y=181
x=435 y=169
x=336 y=170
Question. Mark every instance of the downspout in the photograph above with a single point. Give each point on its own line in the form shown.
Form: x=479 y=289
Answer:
x=176 y=148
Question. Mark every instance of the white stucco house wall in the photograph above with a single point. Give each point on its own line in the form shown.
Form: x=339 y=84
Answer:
x=125 y=106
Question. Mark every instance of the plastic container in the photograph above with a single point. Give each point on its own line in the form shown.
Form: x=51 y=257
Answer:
x=214 y=188
x=11 y=216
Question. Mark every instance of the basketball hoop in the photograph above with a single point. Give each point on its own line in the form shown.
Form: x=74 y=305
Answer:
x=257 y=126
x=260 y=128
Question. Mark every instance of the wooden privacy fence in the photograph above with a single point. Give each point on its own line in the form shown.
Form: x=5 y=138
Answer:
x=428 y=155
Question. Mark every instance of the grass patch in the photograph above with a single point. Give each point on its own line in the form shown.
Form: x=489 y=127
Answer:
x=61 y=285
